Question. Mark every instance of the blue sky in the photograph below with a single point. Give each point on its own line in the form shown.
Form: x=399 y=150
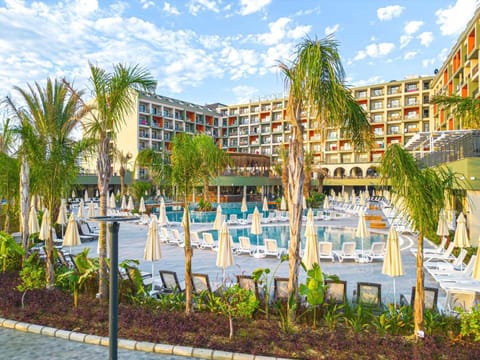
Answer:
x=207 y=51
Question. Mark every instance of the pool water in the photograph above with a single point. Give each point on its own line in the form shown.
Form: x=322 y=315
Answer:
x=175 y=213
x=281 y=232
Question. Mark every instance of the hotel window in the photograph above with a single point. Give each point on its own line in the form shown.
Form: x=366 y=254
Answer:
x=360 y=94
x=377 y=118
x=411 y=100
x=394 y=103
x=393 y=90
x=141 y=108
x=376 y=105
x=377 y=92
x=394 y=130
x=378 y=131
x=411 y=87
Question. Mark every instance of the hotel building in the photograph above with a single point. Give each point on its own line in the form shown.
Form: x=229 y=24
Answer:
x=399 y=111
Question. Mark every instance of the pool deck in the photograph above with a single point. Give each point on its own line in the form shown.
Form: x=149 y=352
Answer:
x=132 y=238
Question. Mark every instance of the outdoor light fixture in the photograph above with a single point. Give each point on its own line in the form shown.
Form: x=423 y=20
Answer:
x=113 y=223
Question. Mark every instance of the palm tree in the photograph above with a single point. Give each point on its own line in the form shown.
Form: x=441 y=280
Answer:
x=156 y=164
x=123 y=160
x=467 y=109
x=114 y=97
x=186 y=165
x=315 y=81
x=308 y=164
x=47 y=119
x=213 y=158
x=422 y=193
x=9 y=174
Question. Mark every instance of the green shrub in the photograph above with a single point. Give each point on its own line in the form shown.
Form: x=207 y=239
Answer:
x=32 y=276
x=470 y=323
x=11 y=253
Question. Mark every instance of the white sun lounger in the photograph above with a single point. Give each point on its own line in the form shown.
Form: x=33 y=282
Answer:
x=348 y=251
x=208 y=242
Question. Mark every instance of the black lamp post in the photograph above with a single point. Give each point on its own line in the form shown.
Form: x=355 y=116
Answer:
x=113 y=226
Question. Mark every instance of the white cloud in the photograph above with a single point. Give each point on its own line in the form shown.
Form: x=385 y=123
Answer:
x=426 y=63
x=412 y=27
x=453 y=19
x=244 y=93
x=147 y=3
x=332 y=29
x=169 y=9
x=248 y=7
x=195 y=6
x=375 y=51
x=372 y=80
x=410 y=55
x=279 y=31
x=405 y=40
x=389 y=12
x=239 y=62
x=425 y=38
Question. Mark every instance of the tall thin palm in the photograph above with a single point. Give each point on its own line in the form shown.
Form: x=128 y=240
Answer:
x=315 y=81
x=156 y=164
x=123 y=159
x=213 y=158
x=422 y=193
x=186 y=165
x=114 y=96
x=9 y=174
x=47 y=118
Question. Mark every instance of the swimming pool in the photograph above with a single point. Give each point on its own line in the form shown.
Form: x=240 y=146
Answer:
x=325 y=233
x=175 y=213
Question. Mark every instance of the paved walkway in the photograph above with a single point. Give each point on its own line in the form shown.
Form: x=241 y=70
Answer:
x=18 y=345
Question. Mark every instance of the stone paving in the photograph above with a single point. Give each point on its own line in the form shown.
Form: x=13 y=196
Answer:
x=18 y=345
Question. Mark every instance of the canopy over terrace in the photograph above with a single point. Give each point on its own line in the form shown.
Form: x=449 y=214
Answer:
x=248 y=174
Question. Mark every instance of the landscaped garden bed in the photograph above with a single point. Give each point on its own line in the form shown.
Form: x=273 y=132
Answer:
x=339 y=334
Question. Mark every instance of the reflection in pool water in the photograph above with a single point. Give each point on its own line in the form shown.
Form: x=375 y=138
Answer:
x=280 y=232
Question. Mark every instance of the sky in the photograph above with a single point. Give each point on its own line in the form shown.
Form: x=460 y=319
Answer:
x=227 y=51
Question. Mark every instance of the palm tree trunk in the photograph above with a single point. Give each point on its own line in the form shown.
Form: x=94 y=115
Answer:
x=104 y=175
x=419 y=291
x=295 y=193
x=122 y=180
x=205 y=189
x=24 y=201
x=188 y=264
x=50 y=270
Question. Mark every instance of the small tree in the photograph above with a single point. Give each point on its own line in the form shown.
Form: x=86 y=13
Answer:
x=235 y=302
x=32 y=277
x=314 y=290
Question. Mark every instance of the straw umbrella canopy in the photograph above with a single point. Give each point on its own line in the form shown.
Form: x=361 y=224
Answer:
x=225 y=253
x=362 y=231
x=33 y=225
x=112 y=204
x=346 y=197
x=85 y=195
x=304 y=202
x=45 y=226
x=152 y=250
x=72 y=237
x=311 y=254
x=217 y=224
x=141 y=207
x=244 y=207
x=326 y=203
x=256 y=228
x=130 y=205
x=162 y=217
x=461 y=236
x=74 y=194
x=392 y=262
x=283 y=204
x=124 y=203
x=442 y=228
x=91 y=209
x=265 y=204
x=62 y=215
x=81 y=210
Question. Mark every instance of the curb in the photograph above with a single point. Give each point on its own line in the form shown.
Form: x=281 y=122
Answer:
x=144 y=346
